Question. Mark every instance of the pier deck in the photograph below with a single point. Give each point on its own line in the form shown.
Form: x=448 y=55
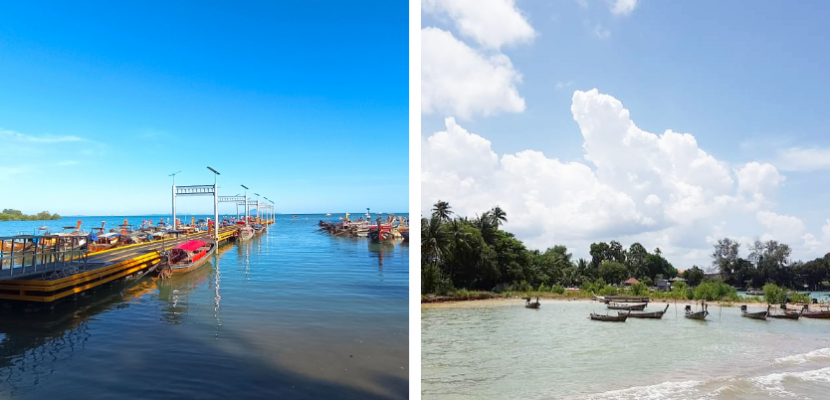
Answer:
x=100 y=268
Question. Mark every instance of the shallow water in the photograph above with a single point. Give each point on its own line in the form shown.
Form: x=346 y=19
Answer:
x=290 y=314
x=501 y=350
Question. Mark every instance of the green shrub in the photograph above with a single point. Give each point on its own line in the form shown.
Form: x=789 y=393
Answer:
x=774 y=294
x=558 y=289
x=608 y=290
x=799 y=298
x=638 y=289
x=714 y=290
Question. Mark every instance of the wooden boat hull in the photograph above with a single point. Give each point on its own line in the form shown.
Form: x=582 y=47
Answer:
x=759 y=315
x=648 y=315
x=627 y=307
x=700 y=315
x=621 y=317
x=623 y=299
x=179 y=269
x=816 y=314
x=534 y=306
x=788 y=315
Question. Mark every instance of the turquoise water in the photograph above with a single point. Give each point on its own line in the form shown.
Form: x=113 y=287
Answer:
x=498 y=350
x=292 y=314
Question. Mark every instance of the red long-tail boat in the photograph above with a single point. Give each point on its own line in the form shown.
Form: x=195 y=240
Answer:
x=189 y=255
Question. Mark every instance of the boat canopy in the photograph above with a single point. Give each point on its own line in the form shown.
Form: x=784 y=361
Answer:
x=192 y=245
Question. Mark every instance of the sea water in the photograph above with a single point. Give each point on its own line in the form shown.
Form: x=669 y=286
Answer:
x=501 y=350
x=292 y=313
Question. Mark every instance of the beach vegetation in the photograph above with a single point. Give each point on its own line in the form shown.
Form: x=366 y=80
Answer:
x=476 y=254
x=17 y=215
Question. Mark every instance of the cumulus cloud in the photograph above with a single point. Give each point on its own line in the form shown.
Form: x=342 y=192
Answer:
x=663 y=189
x=783 y=228
x=458 y=80
x=623 y=7
x=491 y=23
x=758 y=180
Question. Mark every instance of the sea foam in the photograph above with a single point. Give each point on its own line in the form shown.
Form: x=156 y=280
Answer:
x=815 y=355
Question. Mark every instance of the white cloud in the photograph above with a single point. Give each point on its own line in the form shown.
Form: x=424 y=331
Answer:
x=601 y=32
x=6 y=135
x=562 y=85
x=761 y=181
x=458 y=80
x=804 y=159
x=660 y=189
x=623 y=7
x=783 y=228
x=491 y=23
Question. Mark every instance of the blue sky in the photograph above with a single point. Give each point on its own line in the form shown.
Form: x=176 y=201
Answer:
x=303 y=102
x=747 y=82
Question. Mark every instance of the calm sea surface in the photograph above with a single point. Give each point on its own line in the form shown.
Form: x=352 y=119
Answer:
x=501 y=350
x=291 y=314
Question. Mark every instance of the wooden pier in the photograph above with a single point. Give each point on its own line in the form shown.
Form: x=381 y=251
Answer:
x=100 y=268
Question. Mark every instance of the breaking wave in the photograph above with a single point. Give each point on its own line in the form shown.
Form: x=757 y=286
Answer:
x=815 y=355
x=792 y=384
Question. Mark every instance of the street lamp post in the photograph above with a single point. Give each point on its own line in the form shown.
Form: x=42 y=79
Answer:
x=257 y=205
x=215 y=205
x=246 y=204
x=174 y=197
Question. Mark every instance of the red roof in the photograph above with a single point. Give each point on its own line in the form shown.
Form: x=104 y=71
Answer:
x=631 y=281
x=192 y=245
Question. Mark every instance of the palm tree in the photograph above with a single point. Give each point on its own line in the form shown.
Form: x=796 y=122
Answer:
x=487 y=226
x=498 y=215
x=435 y=241
x=441 y=209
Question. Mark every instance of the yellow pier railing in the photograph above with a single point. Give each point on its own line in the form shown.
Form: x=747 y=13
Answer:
x=109 y=265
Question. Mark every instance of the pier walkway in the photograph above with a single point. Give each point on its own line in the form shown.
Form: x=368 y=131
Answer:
x=99 y=268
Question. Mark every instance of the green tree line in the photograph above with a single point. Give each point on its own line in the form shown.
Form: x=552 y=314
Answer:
x=476 y=254
x=16 y=215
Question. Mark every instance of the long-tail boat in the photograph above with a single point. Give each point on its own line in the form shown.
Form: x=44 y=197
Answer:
x=189 y=256
x=650 y=315
x=622 y=299
x=698 y=315
x=762 y=315
x=535 y=304
x=104 y=241
x=786 y=315
x=819 y=314
x=245 y=233
x=620 y=317
x=628 y=307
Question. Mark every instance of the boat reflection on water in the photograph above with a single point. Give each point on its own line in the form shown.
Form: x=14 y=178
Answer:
x=388 y=249
x=174 y=291
x=31 y=339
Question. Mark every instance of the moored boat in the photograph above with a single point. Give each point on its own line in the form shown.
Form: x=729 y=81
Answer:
x=698 y=315
x=103 y=241
x=535 y=305
x=622 y=299
x=189 y=256
x=648 y=315
x=628 y=307
x=817 y=314
x=620 y=317
x=245 y=233
x=787 y=314
x=761 y=315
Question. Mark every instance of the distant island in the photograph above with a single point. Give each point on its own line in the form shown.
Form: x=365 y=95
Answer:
x=16 y=215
